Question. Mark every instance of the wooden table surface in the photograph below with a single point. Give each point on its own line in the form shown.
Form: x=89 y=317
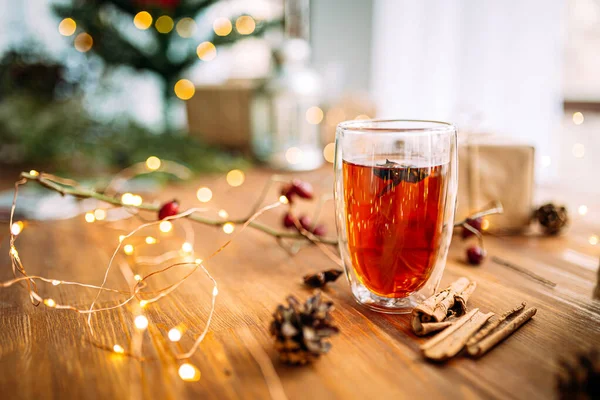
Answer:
x=48 y=354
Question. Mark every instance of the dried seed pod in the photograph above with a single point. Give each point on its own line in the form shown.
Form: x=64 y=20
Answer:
x=552 y=218
x=300 y=330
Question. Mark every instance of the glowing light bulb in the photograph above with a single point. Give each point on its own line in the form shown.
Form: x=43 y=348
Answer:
x=198 y=261
x=582 y=209
x=165 y=226
x=215 y=291
x=578 y=118
x=55 y=282
x=594 y=240
x=186 y=27
x=184 y=89
x=143 y=303
x=141 y=322
x=89 y=217
x=67 y=27
x=314 y=115
x=33 y=172
x=228 y=228
x=578 y=150
x=50 y=303
x=128 y=249
x=164 y=24
x=142 y=20
x=121 y=238
x=204 y=194
x=137 y=277
x=187 y=247
x=222 y=26
x=329 y=152
x=283 y=199
x=235 y=177
x=153 y=163
x=118 y=349
x=150 y=240
x=189 y=373
x=245 y=25
x=83 y=42
x=174 y=335
x=293 y=155
x=100 y=214
x=206 y=51
x=223 y=214
x=16 y=228
x=485 y=224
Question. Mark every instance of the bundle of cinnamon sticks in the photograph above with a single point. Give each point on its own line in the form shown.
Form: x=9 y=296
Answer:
x=474 y=330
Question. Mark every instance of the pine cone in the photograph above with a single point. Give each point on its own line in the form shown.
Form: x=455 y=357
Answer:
x=552 y=218
x=580 y=380
x=300 y=329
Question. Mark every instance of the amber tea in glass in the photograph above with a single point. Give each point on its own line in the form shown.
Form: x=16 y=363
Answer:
x=395 y=195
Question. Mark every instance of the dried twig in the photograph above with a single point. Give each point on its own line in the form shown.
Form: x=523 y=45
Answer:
x=524 y=271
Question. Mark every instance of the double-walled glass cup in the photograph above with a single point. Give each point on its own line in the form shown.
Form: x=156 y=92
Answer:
x=395 y=196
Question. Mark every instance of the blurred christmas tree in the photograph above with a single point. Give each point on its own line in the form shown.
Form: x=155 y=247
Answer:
x=167 y=47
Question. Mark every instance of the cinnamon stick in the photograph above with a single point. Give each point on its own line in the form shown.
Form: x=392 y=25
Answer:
x=491 y=325
x=451 y=341
x=452 y=301
x=484 y=345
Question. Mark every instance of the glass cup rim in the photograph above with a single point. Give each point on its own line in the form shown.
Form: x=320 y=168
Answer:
x=371 y=126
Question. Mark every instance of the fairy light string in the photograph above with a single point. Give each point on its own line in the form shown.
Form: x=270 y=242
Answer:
x=138 y=292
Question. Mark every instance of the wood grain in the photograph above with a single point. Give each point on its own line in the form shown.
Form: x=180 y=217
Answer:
x=50 y=354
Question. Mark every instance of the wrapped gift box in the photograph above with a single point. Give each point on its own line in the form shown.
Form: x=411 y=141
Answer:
x=496 y=169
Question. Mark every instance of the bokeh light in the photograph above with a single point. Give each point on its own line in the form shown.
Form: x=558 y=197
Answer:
x=16 y=228
x=223 y=214
x=67 y=27
x=228 y=228
x=50 y=303
x=142 y=20
x=582 y=210
x=235 y=177
x=189 y=373
x=100 y=214
x=245 y=25
x=222 y=26
x=204 y=194
x=485 y=224
x=206 y=51
x=293 y=155
x=153 y=163
x=150 y=240
x=594 y=240
x=89 y=217
x=118 y=349
x=546 y=161
x=164 y=24
x=184 y=89
x=578 y=118
x=329 y=152
x=165 y=226
x=186 y=27
x=83 y=42
x=187 y=247
x=128 y=249
x=314 y=115
x=141 y=322
x=174 y=335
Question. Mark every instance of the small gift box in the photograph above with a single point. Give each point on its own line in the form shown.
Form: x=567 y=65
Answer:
x=496 y=169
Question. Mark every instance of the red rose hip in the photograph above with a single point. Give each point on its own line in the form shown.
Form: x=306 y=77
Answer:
x=475 y=255
x=168 y=209
x=475 y=224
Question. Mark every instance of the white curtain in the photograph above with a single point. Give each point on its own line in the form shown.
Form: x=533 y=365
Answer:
x=496 y=61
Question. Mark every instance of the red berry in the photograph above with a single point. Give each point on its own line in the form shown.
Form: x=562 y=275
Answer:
x=475 y=224
x=168 y=209
x=475 y=255
x=320 y=230
x=288 y=192
x=289 y=220
x=302 y=189
x=305 y=222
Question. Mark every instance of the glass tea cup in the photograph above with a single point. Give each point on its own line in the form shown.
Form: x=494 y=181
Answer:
x=395 y=196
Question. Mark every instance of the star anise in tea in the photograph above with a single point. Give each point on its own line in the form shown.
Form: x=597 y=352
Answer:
x=397 y=173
